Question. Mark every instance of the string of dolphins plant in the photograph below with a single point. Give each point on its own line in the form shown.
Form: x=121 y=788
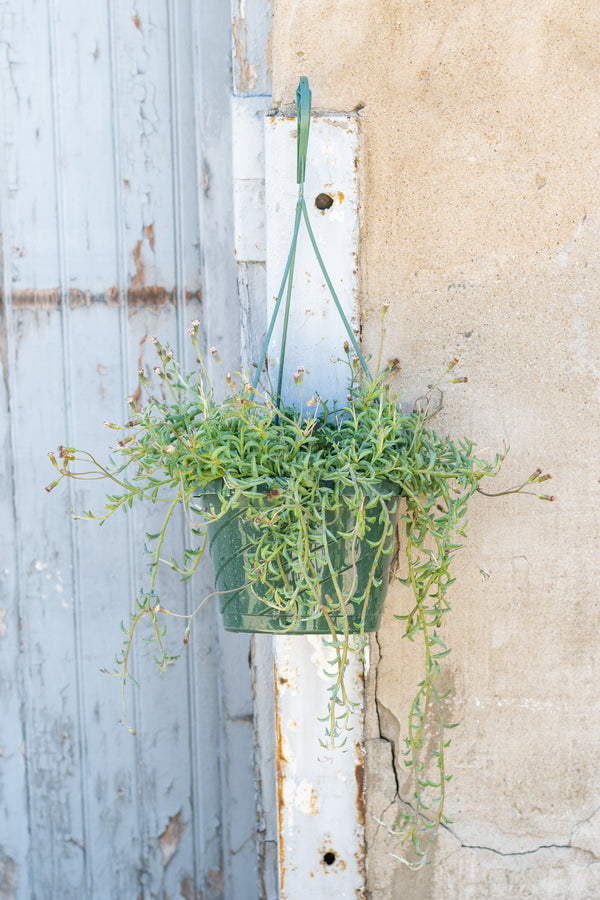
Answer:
x=443 y=477
x=288 y=472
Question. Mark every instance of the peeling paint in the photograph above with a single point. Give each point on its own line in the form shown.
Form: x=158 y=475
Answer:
x=169 y=839
x=9 y=877
x=247 y=69
x=149 y=235
x=306 y=800
x=216 y=877
x=138 y=279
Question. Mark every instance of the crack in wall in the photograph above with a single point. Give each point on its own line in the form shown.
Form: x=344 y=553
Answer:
x=384 y=715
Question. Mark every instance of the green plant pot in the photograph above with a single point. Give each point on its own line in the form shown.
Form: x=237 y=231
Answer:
x=231 y=548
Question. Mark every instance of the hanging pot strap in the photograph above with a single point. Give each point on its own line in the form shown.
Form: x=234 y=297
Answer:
x=303 y=100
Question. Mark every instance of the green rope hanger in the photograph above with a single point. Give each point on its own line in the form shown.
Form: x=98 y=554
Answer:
x=303 y=100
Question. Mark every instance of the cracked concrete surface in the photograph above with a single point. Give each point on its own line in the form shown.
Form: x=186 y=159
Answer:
x=480 y=226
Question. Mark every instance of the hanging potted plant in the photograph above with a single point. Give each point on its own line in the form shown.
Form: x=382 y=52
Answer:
x=298 y=506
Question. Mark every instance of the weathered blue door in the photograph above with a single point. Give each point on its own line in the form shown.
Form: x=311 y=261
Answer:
x=114 y=148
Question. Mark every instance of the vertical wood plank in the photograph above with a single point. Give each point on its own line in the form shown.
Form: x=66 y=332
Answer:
x=212 y=29
x=14 y=819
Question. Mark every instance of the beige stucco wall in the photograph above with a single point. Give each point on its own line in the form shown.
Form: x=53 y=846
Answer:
x=481 y=226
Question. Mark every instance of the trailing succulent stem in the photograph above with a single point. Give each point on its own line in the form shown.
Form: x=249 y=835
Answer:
x=443 y=478
x=308 y=484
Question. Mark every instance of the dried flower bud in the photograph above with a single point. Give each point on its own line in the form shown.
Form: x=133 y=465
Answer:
x=155 y=341
x=108 y=424
x=52 y=458
x=535 y=475
x=157 y=370
x=169 y=354
x=50 y=487
x=549 y=497
x=462 y=380
x=386 y=305
x=196 y=323
x=346 y=346
x=170 y=448
x=130 y=400
x=156 y=608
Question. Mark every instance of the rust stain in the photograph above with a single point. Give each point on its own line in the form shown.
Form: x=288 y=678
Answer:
x=138 y=294
x=112 y=297
x=280 y=761
x=169 y=839
x=330 y=861
x=247 y=69
x=149 y=295
x=154 y=295
x=126 y=182
x=193 y=295
x=136 y=21
x=340 y=197
x=78 y=298
x=34 y=298
x=359 y=774
x=51 y=298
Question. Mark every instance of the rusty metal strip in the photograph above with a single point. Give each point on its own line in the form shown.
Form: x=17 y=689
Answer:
x=320 y=792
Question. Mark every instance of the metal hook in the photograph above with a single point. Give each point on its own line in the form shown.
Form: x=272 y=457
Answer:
x=304 y=103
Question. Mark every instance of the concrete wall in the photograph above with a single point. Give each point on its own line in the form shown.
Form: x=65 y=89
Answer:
x=481 y=226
